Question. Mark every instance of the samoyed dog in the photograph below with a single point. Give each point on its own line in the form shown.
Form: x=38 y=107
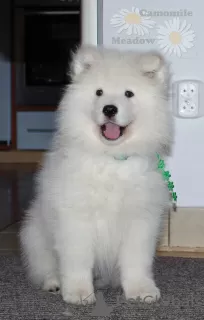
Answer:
x=99 y=197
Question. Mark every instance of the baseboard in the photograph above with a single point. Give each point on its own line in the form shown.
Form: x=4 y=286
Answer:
x=187 y=228
x=21 y=156
x=164 y=234
x=183 y=252
x=183 y=234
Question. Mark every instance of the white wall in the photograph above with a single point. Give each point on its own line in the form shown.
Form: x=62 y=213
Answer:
x=187 y=162
x=5 y=65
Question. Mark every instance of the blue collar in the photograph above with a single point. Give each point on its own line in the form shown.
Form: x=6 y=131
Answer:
x=122 y=157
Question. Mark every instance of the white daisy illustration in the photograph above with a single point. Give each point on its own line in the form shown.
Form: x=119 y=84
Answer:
x=175 y=37
x=132 y=22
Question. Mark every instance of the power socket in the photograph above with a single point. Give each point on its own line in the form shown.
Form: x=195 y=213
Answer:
x=188 y=102
x=188 y=98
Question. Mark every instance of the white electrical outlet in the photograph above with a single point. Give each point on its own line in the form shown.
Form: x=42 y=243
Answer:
x=188 y=98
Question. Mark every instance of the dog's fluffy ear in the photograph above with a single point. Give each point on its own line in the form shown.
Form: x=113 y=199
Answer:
x=83 y=59
x=153 y=65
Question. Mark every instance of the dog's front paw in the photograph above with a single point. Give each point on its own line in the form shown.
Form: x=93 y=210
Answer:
x=144 y=290
x=52 y=285
x=79 y=295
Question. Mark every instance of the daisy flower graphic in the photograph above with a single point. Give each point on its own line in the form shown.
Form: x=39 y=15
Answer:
x=132 y=22
x=175 y=37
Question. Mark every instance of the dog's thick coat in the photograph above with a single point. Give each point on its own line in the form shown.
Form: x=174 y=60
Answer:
x=94 y=215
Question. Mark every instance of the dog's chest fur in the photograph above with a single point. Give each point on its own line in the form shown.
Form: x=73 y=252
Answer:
x=112 y=189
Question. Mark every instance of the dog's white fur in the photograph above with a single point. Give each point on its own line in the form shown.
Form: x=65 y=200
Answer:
x=95 y=215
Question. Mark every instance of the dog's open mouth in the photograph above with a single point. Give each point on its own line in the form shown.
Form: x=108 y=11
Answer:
x=112 y=131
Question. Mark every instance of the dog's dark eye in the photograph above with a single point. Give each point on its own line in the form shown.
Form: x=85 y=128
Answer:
x=99 y=92
x=129 y=94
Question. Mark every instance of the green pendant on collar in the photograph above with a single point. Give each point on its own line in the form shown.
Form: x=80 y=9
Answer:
x=165 y=174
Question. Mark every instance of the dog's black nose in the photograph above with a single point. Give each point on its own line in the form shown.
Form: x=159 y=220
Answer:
x=110 y=110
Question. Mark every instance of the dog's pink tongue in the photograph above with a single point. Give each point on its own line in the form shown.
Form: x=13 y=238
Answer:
x=112 y=131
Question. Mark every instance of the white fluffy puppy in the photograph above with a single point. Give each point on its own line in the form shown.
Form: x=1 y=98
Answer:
x=99 y=196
